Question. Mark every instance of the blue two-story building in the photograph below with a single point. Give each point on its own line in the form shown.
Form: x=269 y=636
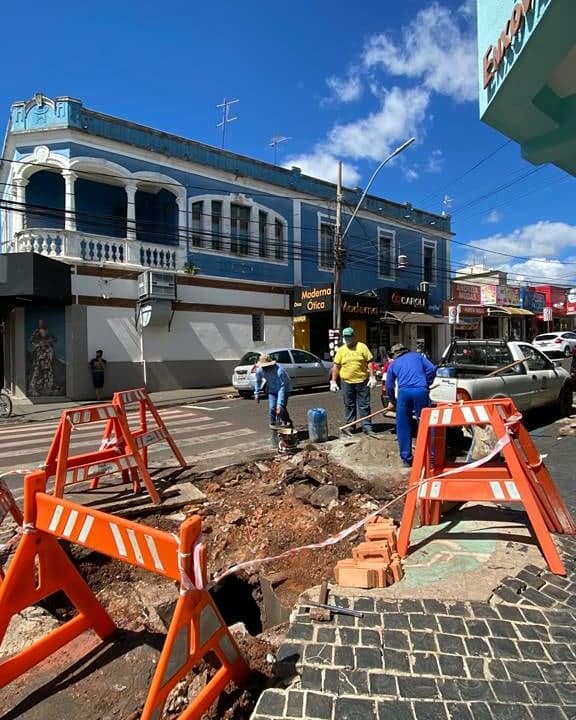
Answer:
x=181 y=256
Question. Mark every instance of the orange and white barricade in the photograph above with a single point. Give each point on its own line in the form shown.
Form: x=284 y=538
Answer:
x=151 y=428
x=40 y=567
x=120 y=457
x=8 y=506
x=513 y=472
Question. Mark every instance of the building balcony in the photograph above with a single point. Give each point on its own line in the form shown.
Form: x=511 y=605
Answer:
x=79 y=247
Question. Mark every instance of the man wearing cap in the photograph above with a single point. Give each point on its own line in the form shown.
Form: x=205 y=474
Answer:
x=353 y=365
x=407 y=382
x=277 y=383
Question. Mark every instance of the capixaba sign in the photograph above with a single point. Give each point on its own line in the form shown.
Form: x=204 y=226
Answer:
x=313 y=299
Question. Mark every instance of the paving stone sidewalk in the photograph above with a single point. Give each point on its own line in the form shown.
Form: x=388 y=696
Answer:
x=510 y=658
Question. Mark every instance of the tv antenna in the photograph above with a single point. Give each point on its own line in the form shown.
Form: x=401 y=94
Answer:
x=447 y=205
x=225 y=105
x=274 y=142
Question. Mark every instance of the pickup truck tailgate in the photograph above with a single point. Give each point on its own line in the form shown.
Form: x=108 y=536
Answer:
x=444 y=390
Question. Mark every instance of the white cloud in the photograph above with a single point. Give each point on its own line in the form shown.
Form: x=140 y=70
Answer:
x=373 y=137
x=437 y=48
x=346 y=89
x=435 y=162
x=545 y=245
x=493 y=217
x=323 y=164
x=410 y=174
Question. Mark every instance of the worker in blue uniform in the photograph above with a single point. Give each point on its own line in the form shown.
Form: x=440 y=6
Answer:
x=407 y=384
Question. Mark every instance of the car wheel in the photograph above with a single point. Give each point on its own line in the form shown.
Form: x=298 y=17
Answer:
x=565 y=401
x=567 y=351
x=245 y=394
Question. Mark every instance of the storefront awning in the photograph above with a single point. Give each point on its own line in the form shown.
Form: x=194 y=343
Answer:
x=519 y=311
x=414 y=318
x=509 y=310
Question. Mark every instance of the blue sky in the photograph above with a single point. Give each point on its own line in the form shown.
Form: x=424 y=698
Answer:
x=341 y=82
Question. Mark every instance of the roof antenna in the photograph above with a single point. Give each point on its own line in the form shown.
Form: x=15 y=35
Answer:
x=274 y=142
x=225 y=105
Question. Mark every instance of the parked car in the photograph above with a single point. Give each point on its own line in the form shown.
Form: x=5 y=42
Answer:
x=561 y=343
x=533 y=382
x=304 y=369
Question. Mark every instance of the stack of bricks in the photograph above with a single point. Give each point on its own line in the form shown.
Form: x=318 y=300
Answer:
x=375 y=562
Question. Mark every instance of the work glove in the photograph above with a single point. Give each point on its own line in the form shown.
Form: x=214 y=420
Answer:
x=372 y=382
x=334 y=386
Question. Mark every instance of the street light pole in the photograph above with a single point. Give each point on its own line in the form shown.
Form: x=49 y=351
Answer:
x=340 y=236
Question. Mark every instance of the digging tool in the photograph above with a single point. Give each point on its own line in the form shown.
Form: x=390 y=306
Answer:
x=378 y=412
x=321 y=614
x=335 y=609
x=505 y=367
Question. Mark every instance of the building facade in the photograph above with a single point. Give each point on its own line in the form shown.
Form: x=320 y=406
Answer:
x=182 y=256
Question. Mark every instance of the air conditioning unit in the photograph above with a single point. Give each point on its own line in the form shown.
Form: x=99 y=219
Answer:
x=156 y=285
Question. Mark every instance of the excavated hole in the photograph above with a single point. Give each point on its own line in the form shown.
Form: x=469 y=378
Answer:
x=239 y=600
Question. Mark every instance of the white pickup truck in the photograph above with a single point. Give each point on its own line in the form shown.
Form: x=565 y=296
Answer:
x=533 y=382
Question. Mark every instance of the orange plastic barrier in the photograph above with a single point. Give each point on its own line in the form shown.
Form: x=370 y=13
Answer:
x=516 y=473
x=144 y=435
x=40 y=567
x=122 y=457
x=8 y=506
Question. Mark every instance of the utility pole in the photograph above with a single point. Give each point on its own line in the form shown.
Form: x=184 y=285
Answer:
x=225 y=105
x=338 y=257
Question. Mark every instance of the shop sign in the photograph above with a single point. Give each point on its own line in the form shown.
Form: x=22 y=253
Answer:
x=465 y=309
x=532 y=300
x=488 y=294
x=359 y=305
x=312 y=300
x=435 y=309
x=407 y=300
x=571 y=302
x=506 y=295
x=495 y=53
x=466 y=293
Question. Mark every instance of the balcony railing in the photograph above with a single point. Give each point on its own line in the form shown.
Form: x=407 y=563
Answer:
x=81 y=247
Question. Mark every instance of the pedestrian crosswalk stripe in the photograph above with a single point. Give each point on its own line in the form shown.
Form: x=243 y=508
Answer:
x=97 y=434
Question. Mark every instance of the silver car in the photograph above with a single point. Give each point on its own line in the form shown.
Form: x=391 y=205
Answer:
x=561 y=342
x=304 y=369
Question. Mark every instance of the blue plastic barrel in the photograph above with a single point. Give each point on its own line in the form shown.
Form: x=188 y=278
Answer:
x=317 y=425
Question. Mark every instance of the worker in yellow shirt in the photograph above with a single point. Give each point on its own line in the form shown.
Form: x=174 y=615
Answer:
x=353 y=365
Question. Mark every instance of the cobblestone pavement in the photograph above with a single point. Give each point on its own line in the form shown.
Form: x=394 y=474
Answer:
x=512 y=658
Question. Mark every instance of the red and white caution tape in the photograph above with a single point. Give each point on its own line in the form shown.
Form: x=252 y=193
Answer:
x=343 y=534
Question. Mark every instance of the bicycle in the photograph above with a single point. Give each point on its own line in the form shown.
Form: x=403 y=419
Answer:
x=5 y=404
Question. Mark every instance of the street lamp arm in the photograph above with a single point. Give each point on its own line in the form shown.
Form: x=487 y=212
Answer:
x=392 y=155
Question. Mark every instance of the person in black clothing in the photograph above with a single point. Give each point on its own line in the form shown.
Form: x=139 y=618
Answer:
x=98 y=368
x=573 y=370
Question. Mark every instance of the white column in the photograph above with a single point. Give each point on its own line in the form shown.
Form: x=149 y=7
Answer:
x=69 y=199
x=131 y=212
x=182 y=218
x=19 y=194
x=254 y=232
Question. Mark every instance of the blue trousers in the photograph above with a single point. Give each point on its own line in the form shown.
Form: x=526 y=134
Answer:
x=356 y=394
x=410 y=401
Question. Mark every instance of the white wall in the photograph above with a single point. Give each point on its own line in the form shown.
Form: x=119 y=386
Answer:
x=207 y=336
x=122 y=288
x=112 y=330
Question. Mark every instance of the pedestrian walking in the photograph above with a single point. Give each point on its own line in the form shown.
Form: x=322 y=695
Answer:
x=353 y=365
x=407 y=384
x=98 y=368
x=272 y=378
